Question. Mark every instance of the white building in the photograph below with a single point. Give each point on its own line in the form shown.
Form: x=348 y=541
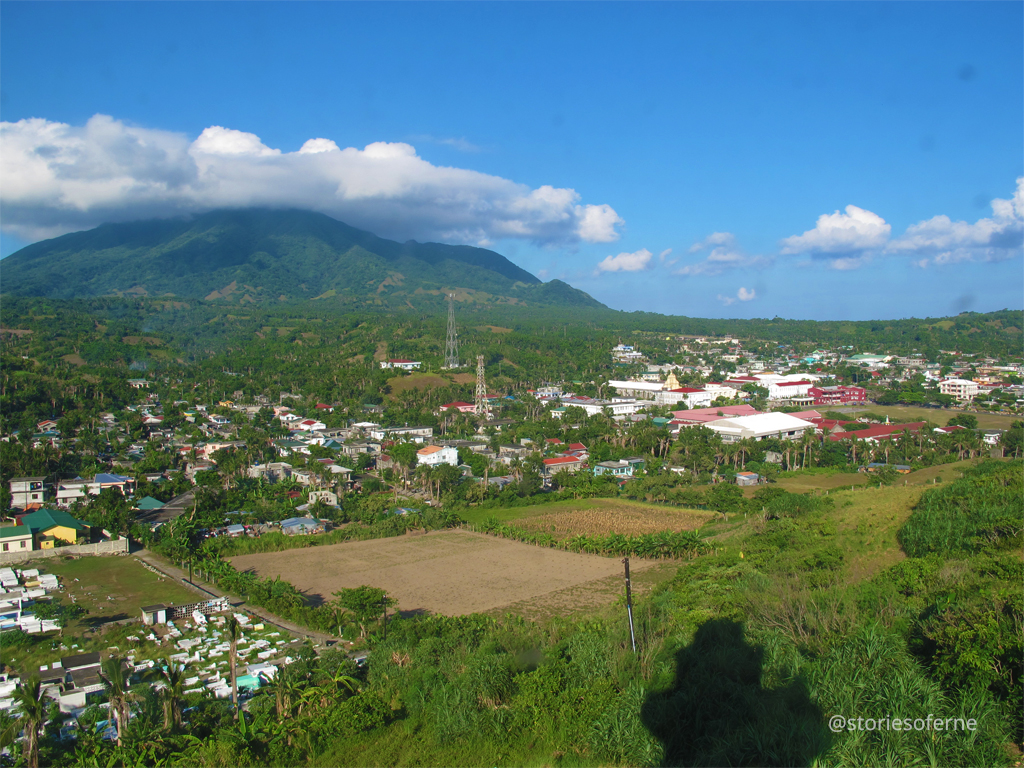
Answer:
x=693 y=397
x=413 y=434
x=618 y=408
x=432 y=455
x=761 y=426
x=27 y=490
x=787 y=390
x=405 y=365
x=644 y=390
x=963 y=390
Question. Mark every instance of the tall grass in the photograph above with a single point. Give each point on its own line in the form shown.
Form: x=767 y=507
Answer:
x=974 y=512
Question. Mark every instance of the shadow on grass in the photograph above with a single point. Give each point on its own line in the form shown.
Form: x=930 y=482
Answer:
x=717 y=712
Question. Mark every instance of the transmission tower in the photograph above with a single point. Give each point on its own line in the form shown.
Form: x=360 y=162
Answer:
x=481 y=389
x=451 y=348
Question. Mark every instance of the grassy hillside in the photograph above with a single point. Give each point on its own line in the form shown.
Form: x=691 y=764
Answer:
x=744 y=655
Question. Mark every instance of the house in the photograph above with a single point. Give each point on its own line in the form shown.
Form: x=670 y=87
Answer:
x=327 y=497
x=557 y=463
x=459 y=406
x=413 y=434
x=615 y=468
x=403 y=364
x=51 y=525
x=324 y=407
x=359 y=447
x=15 y=538
x=295 y=526
x=148 y=504
x=747 y=478
x=433 y=455
x=138 y=383
x=286 y=447
x=271 y=472
x=307 y=425
x=27 y=492
x=69 y=491
x=46 y=424
x=512 y=451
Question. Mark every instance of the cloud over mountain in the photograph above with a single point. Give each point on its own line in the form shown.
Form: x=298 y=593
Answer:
x=60 y=178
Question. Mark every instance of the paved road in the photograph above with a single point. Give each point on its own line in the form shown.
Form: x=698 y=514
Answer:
x=181 y=576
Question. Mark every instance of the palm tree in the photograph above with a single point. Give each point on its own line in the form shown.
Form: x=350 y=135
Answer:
x=30 y=699
x=115 y=683
x=173 y=676
x=234 y=632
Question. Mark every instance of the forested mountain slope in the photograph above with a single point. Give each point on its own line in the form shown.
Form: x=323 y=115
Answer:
x=268 y=256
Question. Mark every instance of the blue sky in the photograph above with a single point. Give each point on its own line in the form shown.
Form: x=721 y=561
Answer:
x=805 y=160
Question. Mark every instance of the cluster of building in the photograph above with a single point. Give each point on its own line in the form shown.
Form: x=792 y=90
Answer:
x=43 y=528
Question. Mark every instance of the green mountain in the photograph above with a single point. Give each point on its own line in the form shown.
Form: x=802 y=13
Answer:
x=261 y=255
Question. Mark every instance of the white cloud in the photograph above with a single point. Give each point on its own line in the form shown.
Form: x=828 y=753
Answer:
x=855 y=238
x=741 y=295
x=724 y=255
x=846 y=263
x=947 y=242
x=313 y=146
x=714 y=239
x=216 y=140
x=843 y=233
x=597 y=223
x=60 y=178
x=626 y=262
x=664 y=254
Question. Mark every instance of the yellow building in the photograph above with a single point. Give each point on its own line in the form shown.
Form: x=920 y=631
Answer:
x=49 y=526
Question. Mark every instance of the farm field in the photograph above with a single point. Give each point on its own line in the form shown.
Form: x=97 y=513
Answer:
x=453 y=572
x=940 y=416
x=113 y=588
x=630 y=518
x=590 y=516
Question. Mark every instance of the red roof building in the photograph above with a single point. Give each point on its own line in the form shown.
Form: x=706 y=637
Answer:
x=879 y=432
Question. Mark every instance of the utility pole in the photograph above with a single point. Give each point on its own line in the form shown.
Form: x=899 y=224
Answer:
x=451 y=347
x=629 y=605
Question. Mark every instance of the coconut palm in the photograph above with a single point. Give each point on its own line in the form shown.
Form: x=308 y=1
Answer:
x=115 y=683
x=30 y=699
x=173 y=676
x=234 y=633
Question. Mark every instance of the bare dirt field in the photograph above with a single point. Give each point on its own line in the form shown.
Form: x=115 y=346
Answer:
x=451 y=572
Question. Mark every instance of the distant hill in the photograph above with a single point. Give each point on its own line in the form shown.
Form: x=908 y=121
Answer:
x=262 y=256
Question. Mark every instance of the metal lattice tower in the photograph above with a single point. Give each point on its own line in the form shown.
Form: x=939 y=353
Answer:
x=481 y=389
x=451 y=348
